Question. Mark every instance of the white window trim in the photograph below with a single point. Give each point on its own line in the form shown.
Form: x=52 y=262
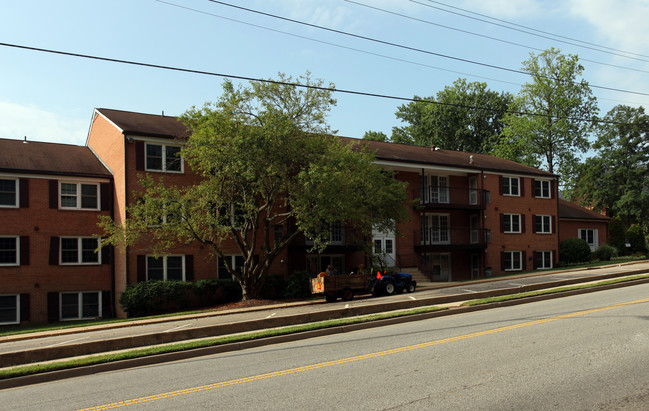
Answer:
x=520 y=224
x=17 y=263
x=549 y=183
x=510 y=186
x=79 y=251
x=78 y=195
x=551 y=259
x=164 y=265
x=17 y=321
x=549 y=217
x=17 y=195
x=80 y=305
x=520 y=260
x=427 y=238
x=164 y=159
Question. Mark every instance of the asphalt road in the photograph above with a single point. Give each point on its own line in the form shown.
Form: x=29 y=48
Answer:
x=581 y=352
x=69 y=338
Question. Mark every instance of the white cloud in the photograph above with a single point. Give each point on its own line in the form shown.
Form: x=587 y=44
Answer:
x=18 y=121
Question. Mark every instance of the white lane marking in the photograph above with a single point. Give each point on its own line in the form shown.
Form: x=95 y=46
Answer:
x=411 y=297
x=272 y=315
x=177 y=328
x=66 y=342
x=346 y=305
x=517 y=284
x=468 y=291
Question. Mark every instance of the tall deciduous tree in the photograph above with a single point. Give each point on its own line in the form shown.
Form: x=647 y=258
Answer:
x=266 y=159
x=559 y=114
x=465 y=116
x=616 y=180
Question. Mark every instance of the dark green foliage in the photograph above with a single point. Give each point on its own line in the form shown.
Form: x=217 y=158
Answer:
x=298 y=285
x=605 y=252
x=637 y=238
x=159 y=297
x=575 y=250
x=274 y=287
x=617 y=234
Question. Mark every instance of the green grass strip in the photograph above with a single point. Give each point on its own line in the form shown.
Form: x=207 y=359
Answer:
x=163 y=349
x=551 y=291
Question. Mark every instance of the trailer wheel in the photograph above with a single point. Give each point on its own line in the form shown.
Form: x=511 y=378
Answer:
x=348 y=294
x=411 y=287
x=389 y=288
x=331 y=298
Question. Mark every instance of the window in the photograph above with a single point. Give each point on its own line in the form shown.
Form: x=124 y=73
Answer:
x=513 y=261
x=236 y=263
x=543 y=224
x=511 y=186
x=317 y=263
x=435 y=229
x=80 y=305
x=9 y=251
x=79 y=196
x=435 y=189
x=79 y=250
x=165 y=268
x=336 y=233
x=543 y=259
x=159 y=212
x=590 y=235
x=512 y=223
x=9 y=309
x=9 y=192
x=542 y=189
x=160 y=157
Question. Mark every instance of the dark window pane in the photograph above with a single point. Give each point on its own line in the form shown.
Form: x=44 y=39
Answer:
x=153 y=157
x=8 y=309
x=88 y=196
x=155 y=268
x=172 y=158
x=175 y=268
x=8 y=250
x=69 y=250
x=69 y=305
x=68 y=195
x=90 y=307
x=8 y=193
x=88 y=247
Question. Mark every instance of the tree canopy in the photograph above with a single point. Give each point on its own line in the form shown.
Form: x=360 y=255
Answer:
x=558 y=112
x=616 y=179
x=466 y=116
x=266 y=159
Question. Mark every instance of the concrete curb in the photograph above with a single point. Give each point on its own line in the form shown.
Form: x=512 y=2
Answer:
x=175 y=356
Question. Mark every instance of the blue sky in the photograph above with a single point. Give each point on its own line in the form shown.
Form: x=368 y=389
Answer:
x=50 y=97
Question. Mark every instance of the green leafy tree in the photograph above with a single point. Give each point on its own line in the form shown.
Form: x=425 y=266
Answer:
x=616 y=180
x=375 y=136
x=465 y=116
x=265 y=159
x=617 y=235
x=560 y=112
x=637 y=238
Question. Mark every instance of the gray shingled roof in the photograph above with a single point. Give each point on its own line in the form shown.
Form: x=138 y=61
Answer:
x=154 y=125
x=149 y=125
x=31 y=157
x=571 y=211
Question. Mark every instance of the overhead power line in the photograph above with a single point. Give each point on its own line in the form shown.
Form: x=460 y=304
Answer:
x=330 y=89
x=402 y=46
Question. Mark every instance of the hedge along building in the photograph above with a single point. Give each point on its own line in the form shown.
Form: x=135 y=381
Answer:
x=471 y=215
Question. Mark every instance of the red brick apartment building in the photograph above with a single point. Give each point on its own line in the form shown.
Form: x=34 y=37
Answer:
x=471 y=216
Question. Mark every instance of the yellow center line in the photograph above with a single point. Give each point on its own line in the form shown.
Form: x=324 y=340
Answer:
x=356 y=358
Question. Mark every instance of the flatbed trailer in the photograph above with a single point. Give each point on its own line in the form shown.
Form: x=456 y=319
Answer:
x=341 y=286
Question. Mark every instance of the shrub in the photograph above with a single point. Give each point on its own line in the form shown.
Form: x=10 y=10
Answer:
x=574 y=250
x=274 y=286
x=298 y=285
x=158 y=297
x=636 y=237
x=605 y=252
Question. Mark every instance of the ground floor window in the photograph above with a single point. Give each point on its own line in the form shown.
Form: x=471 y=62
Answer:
x=513 y=261
x=9 y=251
x=165 y=268
x=236 y=262
x=440 y=265
x=80 y=305
x=590 y=235
x=543 y=259
x=319 y=263
x=9 y=308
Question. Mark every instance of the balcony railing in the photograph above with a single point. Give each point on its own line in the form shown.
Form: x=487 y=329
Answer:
x=450 y=197
x=457 y=237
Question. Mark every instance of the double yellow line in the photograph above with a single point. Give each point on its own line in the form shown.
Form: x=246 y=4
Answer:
x=356 y=358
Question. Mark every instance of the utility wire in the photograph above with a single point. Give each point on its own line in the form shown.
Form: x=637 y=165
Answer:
x=404 y=47
x=483 y=35
x=306 y=86
x=522 y=26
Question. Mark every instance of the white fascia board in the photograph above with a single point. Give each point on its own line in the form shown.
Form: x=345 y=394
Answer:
x=418 y=167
